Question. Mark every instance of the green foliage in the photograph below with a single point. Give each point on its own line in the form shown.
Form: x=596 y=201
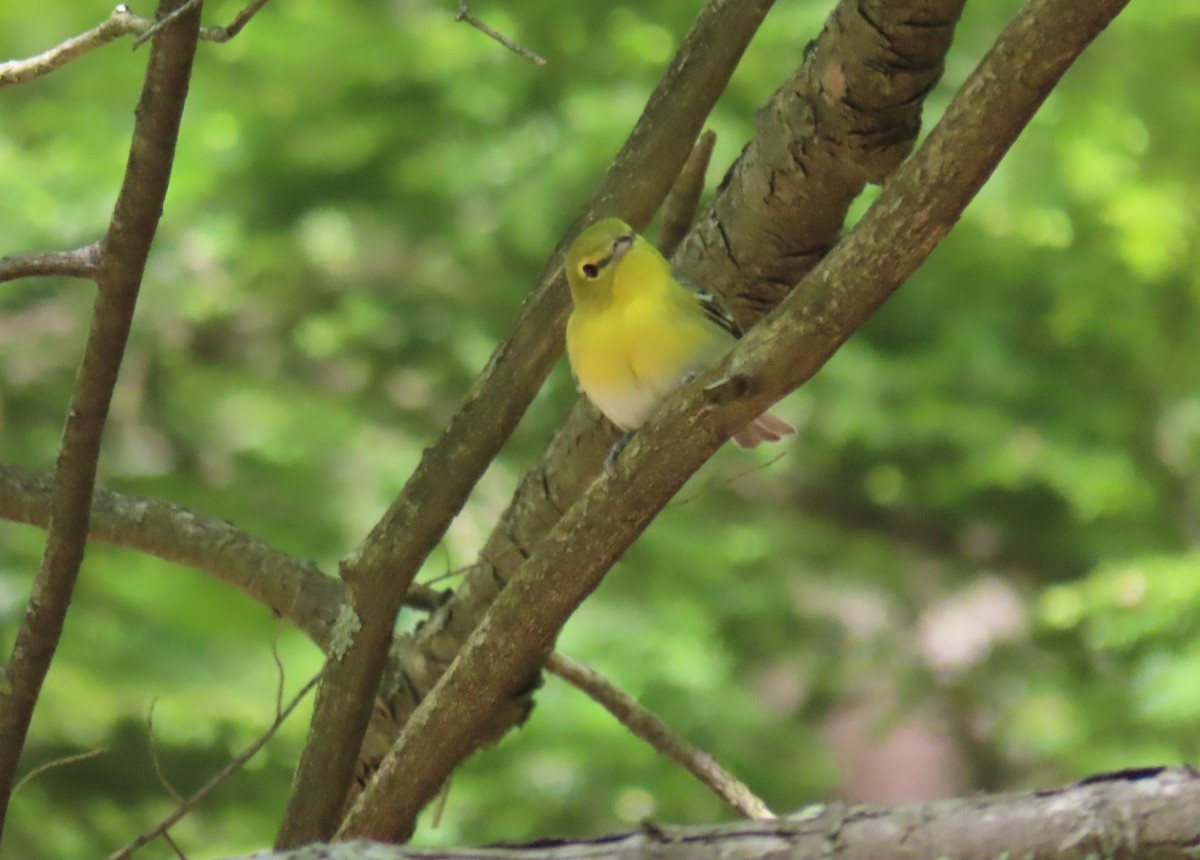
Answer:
x=363 y=195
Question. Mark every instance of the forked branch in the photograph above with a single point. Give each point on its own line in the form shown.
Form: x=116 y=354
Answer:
x=918 y=206
x=118 y=277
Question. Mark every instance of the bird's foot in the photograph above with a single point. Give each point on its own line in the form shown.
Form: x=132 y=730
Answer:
x=611 y=460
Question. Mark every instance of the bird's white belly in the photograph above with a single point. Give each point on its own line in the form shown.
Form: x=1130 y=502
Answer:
x=627 y=408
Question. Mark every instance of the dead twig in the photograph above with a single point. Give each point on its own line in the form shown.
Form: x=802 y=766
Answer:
x=154 y=759
x=58 y=762
x=235 y=764
x=120 y=22
x=165 y=21
x=209 y=34
x=464 y=14
x=647 y=726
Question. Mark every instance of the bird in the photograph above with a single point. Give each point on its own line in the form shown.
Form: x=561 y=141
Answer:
x=637 y=331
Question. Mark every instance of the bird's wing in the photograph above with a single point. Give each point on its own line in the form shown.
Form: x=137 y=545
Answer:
x=712 y=307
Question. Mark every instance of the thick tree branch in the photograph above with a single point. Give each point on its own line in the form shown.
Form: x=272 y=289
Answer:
x=379 y=574
x=1134 y=815
x=809 y=160
x=76 y=263
x=118 y=277
x=916 y=209
x=294 y=588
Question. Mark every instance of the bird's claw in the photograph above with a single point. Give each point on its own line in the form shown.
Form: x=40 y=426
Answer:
x=611 y=460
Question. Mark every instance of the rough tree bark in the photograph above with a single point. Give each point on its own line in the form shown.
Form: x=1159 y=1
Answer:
x=379 y=573
x=1147 y=815
x=847 y=116
x=916 y=209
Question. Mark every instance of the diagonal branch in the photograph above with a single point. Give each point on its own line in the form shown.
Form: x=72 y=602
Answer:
x=118 y=277
x=858 y=132
x=916 y=209
x=120 y=22
x=76 y=263
x=293 y=588
x=187 y=804
x=379 y=574
x=464 y=15
x=647 y=726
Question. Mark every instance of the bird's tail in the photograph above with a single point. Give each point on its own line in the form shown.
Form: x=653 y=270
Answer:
x=764 y=428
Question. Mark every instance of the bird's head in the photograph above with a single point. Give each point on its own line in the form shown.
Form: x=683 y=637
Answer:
x=593 y=257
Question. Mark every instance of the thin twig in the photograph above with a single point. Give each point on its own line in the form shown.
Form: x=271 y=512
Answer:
x=727 y=482
x=679 y=209
x=464 y=14
x=120 y=22
x=166 y=837
x=155 y=762
x=166 y=21
x=650 y=728
x=58 y=762
x=279 y=670
x=209 y=34
x=239 y=21
x=235 y=764
x=125 y=247
x=76 y=263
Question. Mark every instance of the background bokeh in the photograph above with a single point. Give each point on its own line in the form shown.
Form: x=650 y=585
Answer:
x=975 y=567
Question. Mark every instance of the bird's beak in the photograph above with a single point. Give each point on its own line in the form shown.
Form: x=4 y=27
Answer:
x=620 y=247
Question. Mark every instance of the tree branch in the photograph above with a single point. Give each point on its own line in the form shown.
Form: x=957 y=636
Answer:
x=120 y=22
x=379 y=574
x=647 y=726
x=464 y=15
x=679 y=210
x=76 y=263
x=187 y=804
x=916 y=209
x=293 y=588
x=810 y=181
x=210 y=34
x=1149 y=813
x=118 y=277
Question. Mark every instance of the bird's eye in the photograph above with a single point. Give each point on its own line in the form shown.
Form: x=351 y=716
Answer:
x=590 y=270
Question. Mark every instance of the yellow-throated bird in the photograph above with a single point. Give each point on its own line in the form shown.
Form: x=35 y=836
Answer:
x=637 y=332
